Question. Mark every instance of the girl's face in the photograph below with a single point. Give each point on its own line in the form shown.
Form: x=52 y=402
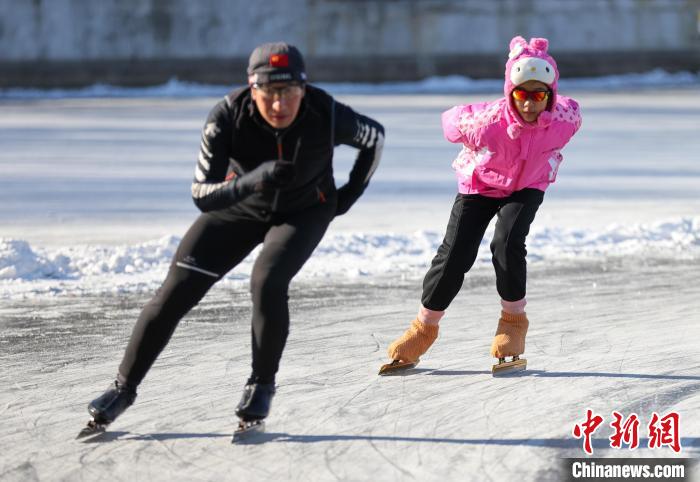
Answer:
x=530 y=99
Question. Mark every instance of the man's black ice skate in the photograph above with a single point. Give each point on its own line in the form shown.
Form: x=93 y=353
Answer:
x=253 y=408
x=107 y=407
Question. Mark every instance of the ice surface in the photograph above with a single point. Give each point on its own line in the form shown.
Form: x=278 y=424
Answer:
x=94 y=196
x=599 y=339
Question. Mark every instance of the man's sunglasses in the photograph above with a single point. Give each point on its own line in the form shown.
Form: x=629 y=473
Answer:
x=287 y=91
x=536 y=96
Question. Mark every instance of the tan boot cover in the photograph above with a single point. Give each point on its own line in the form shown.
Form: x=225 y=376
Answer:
x=414 y=342
x=510 y=335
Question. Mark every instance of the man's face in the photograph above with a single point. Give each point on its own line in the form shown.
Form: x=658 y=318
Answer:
x=278 y=102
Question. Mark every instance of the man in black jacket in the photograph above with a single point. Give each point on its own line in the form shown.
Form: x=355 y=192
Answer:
x=264 y=175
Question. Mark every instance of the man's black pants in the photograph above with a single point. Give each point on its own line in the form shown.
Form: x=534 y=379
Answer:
x=211 y=248
x=470 y=216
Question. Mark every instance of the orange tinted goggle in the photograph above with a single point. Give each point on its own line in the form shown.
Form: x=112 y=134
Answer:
x=536 y=96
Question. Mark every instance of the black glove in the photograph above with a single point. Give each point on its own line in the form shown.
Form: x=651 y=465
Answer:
x=284 y=172
x=346 y=198
x=267 y=176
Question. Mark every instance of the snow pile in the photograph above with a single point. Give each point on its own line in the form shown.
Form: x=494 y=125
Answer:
x=19 y=261
x=674 y=238
x=351 y=255
x=96 y=260
x=456 y=84
x=172 y=88
x=654 y=78
x=341 y=256
x=451 y=84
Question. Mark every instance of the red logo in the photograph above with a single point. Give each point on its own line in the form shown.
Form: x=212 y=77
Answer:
x=663 y=431
x=279 y=60
x=586 y=429
x=627 y=432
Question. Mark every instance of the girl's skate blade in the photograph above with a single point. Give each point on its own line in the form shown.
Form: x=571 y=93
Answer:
x=503 y=368
x=246 y=430
x=396 y=366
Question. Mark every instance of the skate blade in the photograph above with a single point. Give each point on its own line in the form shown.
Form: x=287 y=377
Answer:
x=245 y=430
x=509 y=368
x=396 y=366
x=92 y=428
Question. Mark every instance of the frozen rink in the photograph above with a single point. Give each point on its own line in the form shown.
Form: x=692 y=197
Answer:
x=94 y=196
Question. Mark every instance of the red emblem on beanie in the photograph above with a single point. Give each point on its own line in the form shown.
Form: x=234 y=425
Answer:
x=279 y=60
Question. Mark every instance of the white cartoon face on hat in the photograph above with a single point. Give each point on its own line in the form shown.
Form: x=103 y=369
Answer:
x=531 y=68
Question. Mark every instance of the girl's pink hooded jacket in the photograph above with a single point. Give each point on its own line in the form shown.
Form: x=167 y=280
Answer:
x=502 y=153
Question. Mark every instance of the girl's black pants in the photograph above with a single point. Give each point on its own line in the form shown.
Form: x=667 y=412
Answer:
x=470 y=216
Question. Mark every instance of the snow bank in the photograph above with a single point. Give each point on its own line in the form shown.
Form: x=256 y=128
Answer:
x=453 y=84
x=27 y=270
x=676 y=238
x=19 y=261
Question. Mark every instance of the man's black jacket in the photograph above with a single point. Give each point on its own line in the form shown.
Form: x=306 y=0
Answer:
x=236 y=139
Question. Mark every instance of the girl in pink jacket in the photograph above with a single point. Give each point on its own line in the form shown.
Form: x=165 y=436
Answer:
x=510 y=155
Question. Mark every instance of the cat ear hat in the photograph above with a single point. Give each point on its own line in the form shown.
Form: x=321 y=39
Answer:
x=530 y=61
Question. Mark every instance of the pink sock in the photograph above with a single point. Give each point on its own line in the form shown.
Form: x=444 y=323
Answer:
x=429 y=317
x=514 y=307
